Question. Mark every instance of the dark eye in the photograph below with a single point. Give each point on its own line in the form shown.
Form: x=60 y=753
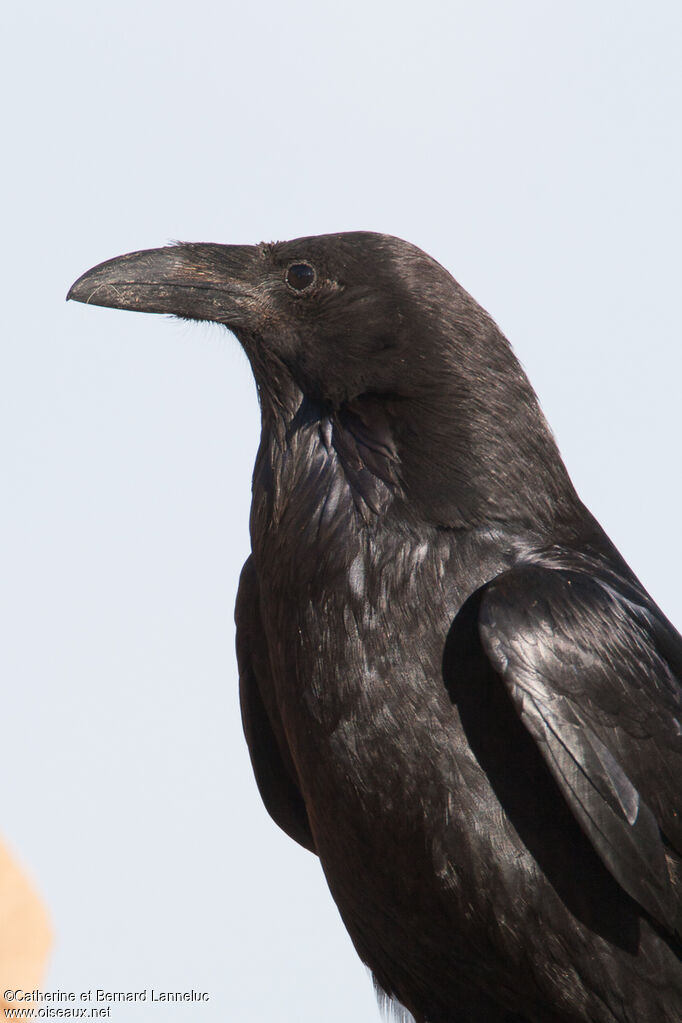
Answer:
x=300 y=276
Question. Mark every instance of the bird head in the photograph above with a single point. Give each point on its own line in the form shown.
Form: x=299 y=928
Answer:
x=337 y=311
x=342 y=318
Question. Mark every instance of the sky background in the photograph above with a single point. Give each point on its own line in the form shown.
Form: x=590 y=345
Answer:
x=532 y=149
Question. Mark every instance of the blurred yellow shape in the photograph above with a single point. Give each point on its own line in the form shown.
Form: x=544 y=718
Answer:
x=25 y=935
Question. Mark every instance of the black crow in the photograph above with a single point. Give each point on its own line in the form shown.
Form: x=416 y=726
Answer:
x=454 y=690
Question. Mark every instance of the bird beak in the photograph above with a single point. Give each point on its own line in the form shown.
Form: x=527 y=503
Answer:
x=199 y=282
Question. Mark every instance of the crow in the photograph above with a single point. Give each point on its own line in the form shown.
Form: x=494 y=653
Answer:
x=454 y=690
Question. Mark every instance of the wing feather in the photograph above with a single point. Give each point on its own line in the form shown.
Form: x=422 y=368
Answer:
x=587 y=678
x=272 y=766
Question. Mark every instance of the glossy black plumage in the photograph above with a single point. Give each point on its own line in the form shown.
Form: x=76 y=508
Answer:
x=453 y=688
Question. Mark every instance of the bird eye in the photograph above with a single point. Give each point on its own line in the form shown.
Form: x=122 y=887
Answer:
x=300 y=276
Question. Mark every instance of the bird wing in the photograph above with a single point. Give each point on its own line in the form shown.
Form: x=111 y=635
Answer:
x=272 y=765
x=592 y=674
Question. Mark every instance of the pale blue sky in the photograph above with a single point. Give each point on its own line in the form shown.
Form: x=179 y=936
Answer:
x=532 y=149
